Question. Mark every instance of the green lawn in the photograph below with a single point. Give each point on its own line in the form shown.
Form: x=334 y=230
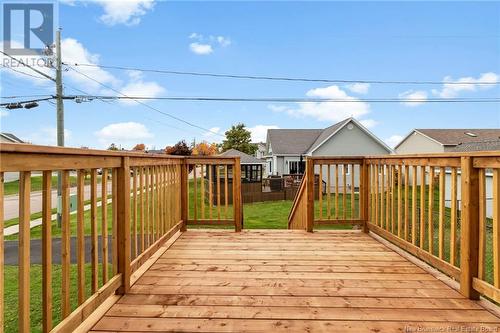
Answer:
x=11 y=294
x=12 y=187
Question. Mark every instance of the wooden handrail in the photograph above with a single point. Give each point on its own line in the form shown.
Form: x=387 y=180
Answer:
x=149 y=204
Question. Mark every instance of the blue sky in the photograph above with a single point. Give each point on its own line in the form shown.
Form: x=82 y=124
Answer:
x=333 y=40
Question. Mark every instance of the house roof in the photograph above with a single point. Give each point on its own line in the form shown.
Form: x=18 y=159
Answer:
x=478 y=146
x=304 y=141
x=244 y=158
x=292 y=141
x=456 y=136
x=11 y=137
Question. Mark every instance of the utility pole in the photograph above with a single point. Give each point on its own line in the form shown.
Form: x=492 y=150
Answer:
x=60 y=119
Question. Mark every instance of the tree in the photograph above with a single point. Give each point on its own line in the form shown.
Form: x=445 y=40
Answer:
x=205 y=149
x=139 y=147
x=112 y=147
x=238 y=137
x=180 y=148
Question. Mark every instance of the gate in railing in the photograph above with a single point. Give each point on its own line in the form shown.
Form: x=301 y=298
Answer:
x=128 y=206
x=433 y=206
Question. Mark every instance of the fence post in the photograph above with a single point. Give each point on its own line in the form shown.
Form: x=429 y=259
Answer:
x=364 y=196
x=123 y=224
x=469 y=243
x=238 y=212
x=184 y=194
x=310 y=194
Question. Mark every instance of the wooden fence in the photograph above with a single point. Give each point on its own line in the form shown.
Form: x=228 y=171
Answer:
x=404 y=200
x=137 y=203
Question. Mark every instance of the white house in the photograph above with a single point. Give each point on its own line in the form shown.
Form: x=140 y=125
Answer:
x=437 y=140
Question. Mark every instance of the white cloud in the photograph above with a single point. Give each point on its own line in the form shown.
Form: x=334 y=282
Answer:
x=202 y=49
x=211 y=134
x=138 y=87
x=47 y=136
x=329 y=111
x=277 y=108
x=393 y=140
x=453 y=90
x=413 y=97
x=259 y=132
x=358 y=88
x=206 y=45
x=126 y=133
x=127 y=12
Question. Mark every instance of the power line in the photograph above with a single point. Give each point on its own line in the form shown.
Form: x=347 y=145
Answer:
x=293 y=100
x=282 y=78
x=23 y=73
x=147 y=105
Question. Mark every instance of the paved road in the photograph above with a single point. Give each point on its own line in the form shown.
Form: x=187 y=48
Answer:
x=11 y=202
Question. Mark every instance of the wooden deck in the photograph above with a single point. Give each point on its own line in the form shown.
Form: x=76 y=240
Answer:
x=290 y=281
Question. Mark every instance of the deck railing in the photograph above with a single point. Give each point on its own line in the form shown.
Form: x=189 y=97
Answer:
x=433 y=206
x=137 y=202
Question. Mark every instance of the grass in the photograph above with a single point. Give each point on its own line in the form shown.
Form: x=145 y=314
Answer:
x=11 y=294
x=12 y=187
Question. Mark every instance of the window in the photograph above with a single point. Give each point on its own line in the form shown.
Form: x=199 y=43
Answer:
x=251 y=173
x=296 y=167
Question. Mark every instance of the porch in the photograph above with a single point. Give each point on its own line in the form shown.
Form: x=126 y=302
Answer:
x=151 y=268
x=289 y=281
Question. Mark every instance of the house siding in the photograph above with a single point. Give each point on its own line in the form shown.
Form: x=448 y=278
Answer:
x=352 y=142
x=418 y=143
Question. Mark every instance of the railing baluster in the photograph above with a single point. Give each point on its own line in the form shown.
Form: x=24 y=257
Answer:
x=442 y=198
x=388 y=198
x=65 y=252
x=210 y=194
x=407 y=202
x=431 y=211
x=481 y=271
x=24 y=250
x=328 y=193
x=400 y=207
x=320 y=202
x=80 y=235
x=376 y=175
x=94 y=259
x=114 y=222
x=134 y=212
x=147 y=208
x=217 y=168
x=123 y=227
x=453 y=218
x=414 y=203
x=422 y=207
x=496 y=228
x=142 y=201
x=237 y=204
x=352 y=193
x=46 y=252
x=104 y=224
x=336 y=191
x=393 y=189
x=226 y=193
x=195 y=194
x=202 y=189
x=344 y=191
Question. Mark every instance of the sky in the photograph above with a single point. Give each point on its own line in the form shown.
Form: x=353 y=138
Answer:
x=387 y=41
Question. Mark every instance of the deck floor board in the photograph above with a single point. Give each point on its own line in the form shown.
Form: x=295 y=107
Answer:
x=279 y=281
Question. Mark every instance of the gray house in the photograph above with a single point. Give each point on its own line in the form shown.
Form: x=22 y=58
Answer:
x=436 y=140
x=287 y=149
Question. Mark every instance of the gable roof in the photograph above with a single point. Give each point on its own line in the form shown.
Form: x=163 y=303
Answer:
x=305 y=141
x=11 y=137
x=244 y=158
x=456 y=136
x=292 y=141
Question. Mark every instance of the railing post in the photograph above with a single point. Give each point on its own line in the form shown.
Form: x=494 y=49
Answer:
x=469 y=245
x=238 y=212
x=184 y=194
x=123 y=224
x=309 y=194
x=364 y=190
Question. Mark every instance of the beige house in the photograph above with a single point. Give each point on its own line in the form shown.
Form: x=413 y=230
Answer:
x=434 y=140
